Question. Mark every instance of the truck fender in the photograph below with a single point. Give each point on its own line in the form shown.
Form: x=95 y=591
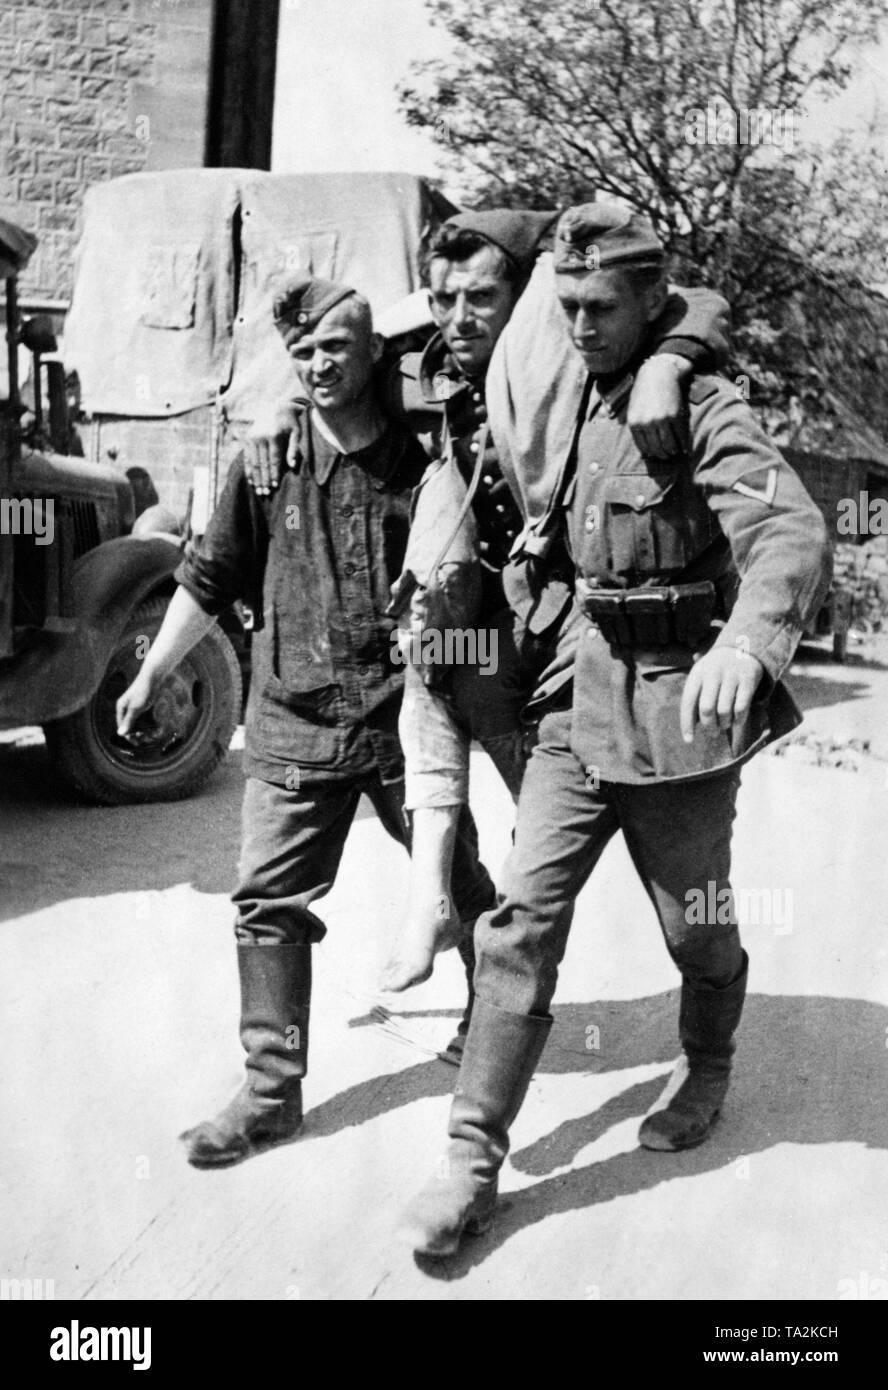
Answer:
x=61 y=670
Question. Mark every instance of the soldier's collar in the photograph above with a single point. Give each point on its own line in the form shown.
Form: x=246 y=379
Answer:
x=379 y=460
x=440 y=378
x=612 y=392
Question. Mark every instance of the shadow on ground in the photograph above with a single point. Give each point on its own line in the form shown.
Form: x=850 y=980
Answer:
x=815 y=691
x=54 y=847
x=810 y=1070
x=870 y=655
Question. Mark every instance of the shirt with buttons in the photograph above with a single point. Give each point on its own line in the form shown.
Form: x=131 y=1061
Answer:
x=315 y=561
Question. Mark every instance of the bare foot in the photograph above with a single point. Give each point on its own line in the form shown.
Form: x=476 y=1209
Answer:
x=428 y=929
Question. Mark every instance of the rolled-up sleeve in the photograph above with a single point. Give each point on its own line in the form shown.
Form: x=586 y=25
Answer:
x=227 y=563
x=436 y=750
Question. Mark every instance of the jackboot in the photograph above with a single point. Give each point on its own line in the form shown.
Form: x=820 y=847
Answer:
x=453 y=1052
x=275 y=986
x=501 y=1054
x=694 y=1094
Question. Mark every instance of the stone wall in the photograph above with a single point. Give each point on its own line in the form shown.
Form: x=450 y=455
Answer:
x=92 y=89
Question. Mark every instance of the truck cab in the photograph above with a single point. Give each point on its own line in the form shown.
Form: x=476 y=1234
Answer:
x=81 y=596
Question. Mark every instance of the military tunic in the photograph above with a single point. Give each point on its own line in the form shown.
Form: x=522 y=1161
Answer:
x=731 y=515
x=732 y=512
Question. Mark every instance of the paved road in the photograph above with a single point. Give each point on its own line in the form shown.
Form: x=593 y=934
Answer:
x=118 y=1002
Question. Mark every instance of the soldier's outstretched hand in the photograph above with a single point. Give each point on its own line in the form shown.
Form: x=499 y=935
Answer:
x=266 y=450
x=719 y=689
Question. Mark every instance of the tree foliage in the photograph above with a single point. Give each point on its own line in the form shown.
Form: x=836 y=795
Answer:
x=544 y=103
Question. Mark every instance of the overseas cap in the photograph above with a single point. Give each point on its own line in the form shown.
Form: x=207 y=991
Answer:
x=594 y=236
x=514 y=231
x=301 y=303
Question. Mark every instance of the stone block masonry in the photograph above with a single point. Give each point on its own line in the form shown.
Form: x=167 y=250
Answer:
x=85 y=84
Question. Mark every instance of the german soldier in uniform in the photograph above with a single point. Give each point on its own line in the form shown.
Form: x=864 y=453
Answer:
x=479 y=265
x=316 y=562
x=695 y=578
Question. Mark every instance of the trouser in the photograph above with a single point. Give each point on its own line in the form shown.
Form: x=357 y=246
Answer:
x=481 y=701
x=292 y=846
x=679 y=838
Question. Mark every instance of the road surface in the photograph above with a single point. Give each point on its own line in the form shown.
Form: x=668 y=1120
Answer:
x=119 y=999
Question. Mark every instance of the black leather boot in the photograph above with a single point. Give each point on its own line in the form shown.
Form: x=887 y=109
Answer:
x=275 y=996
x=501 y=1054
x=695 y=1092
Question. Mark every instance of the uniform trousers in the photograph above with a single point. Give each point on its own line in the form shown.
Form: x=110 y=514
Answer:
x=678 y=836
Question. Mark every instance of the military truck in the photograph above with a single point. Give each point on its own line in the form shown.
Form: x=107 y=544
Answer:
x=82 y=595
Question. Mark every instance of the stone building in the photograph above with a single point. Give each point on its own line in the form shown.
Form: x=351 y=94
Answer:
x=96 y=89
x=92 y=89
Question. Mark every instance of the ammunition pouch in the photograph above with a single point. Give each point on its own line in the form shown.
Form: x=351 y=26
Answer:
x=671 y=615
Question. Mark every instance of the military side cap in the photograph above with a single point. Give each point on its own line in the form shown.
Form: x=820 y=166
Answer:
x=301 y=303
x=517 y=232
x=594 y=236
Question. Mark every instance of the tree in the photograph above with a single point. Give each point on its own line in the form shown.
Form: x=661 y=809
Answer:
x=688 y=110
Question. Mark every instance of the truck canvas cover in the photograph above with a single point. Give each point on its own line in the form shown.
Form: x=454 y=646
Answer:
x=177 y=270
x=149 y=332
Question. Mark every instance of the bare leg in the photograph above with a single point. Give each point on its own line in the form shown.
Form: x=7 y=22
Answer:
x=436 y=754
x=431 y=924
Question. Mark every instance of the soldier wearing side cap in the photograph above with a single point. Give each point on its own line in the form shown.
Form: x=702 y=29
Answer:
x=695 y=578
x=478 y=267
x=315 y=562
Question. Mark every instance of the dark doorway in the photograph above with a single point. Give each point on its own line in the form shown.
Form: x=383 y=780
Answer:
x=241 y=105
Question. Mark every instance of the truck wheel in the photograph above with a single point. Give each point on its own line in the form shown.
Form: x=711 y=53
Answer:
x=184 y=737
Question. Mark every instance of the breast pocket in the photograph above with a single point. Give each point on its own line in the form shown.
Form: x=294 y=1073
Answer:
x=643 y=525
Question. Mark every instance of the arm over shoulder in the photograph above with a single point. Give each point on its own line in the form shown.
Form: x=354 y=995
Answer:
x=696 y=323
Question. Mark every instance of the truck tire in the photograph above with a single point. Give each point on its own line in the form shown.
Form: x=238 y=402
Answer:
x=184 y=737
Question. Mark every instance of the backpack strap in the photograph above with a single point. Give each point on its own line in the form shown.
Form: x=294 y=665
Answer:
x=471 y=489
